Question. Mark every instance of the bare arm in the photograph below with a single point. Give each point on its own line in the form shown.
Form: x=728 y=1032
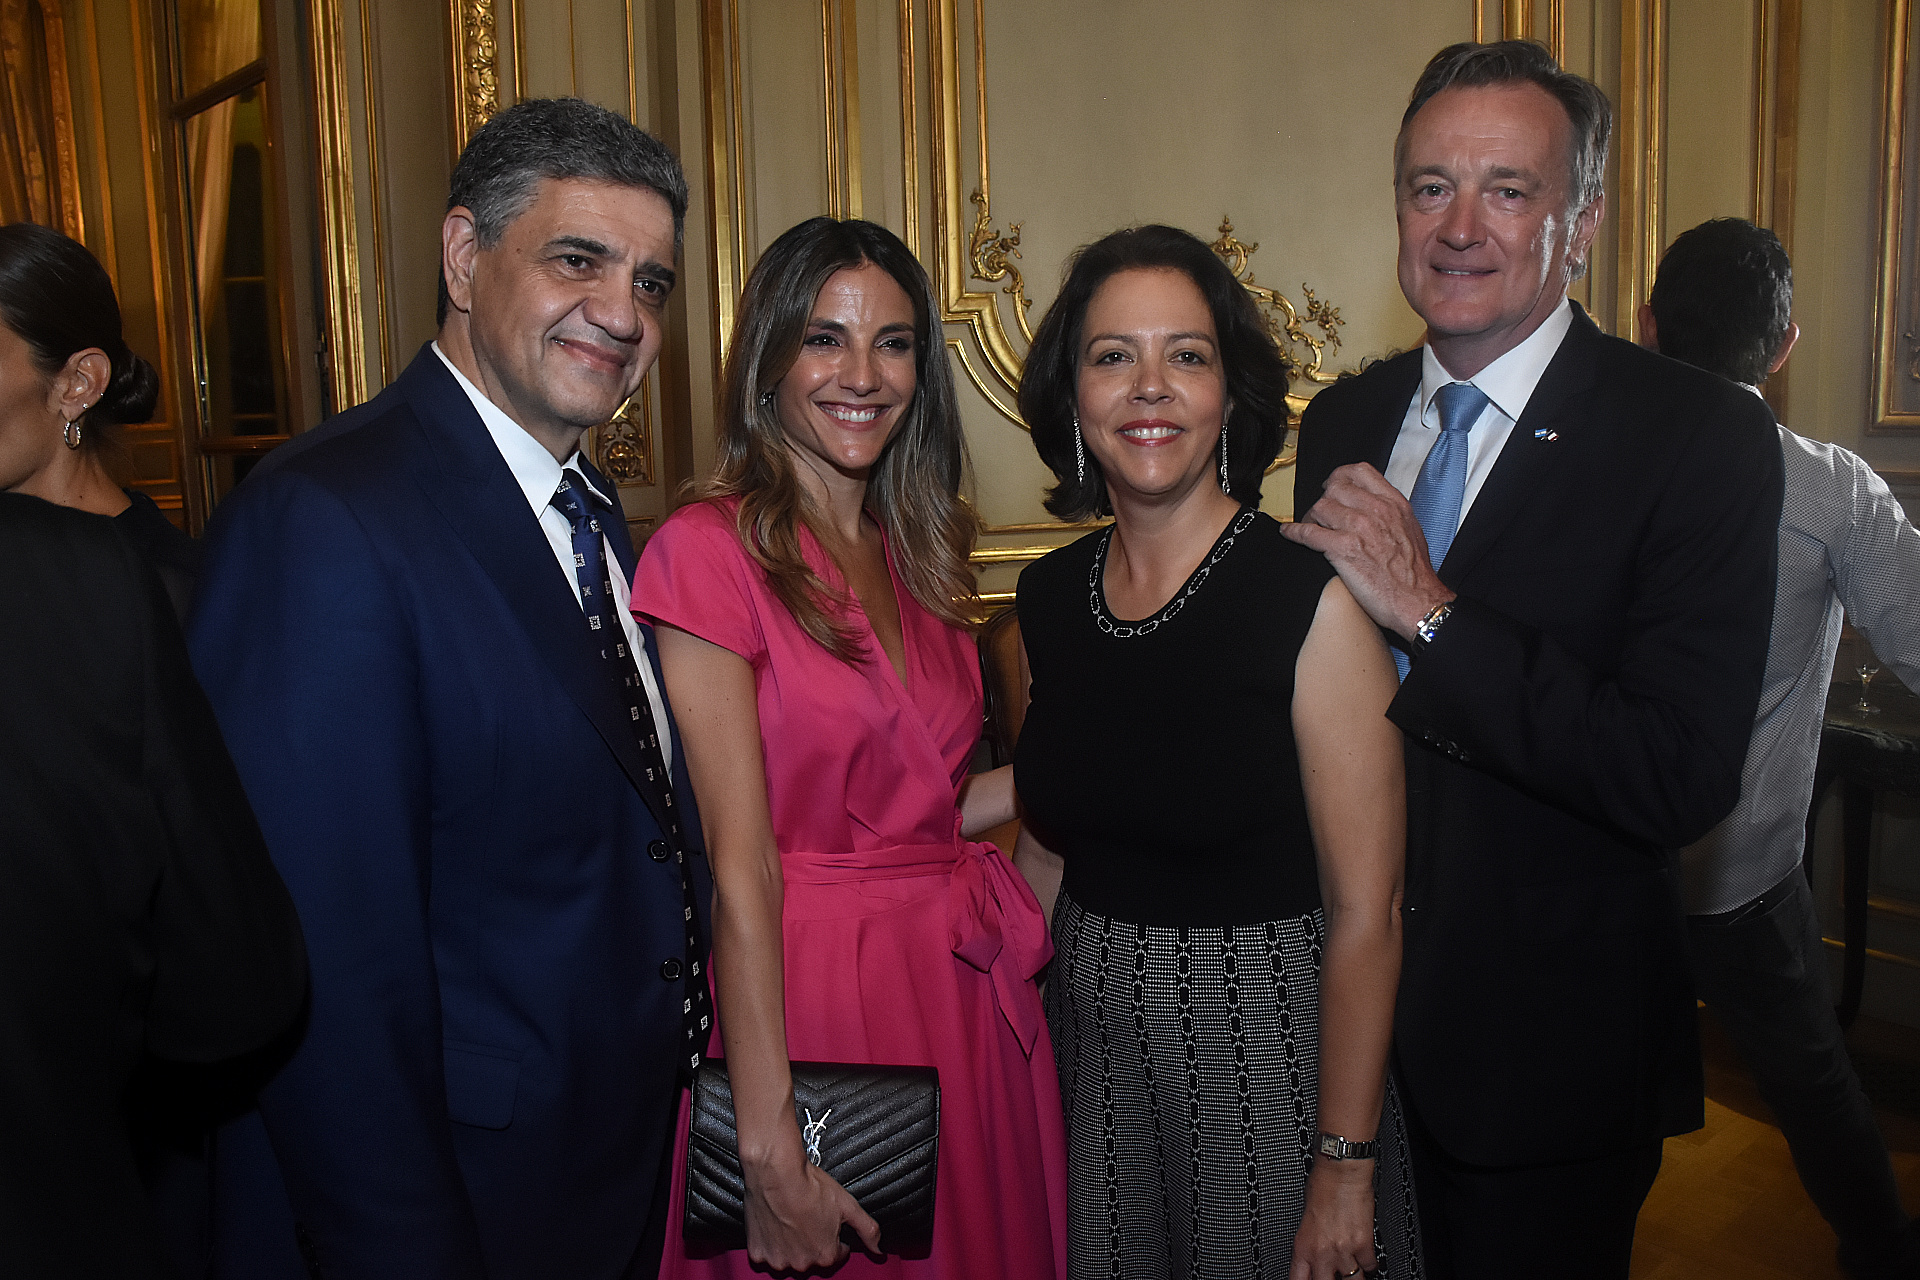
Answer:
x=1352 y=771
x=1039 y=864
x=986 y=801
x=794 y=1210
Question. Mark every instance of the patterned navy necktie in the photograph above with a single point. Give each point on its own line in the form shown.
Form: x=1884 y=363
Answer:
x=577 y=503
x=1441 y=489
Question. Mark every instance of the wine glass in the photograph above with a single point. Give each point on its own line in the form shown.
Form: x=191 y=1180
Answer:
x=1866 y=667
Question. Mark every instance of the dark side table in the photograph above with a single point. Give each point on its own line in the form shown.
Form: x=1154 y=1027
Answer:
x=1864 y=753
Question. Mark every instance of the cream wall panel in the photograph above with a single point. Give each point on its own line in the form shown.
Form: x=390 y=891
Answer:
x=881 y=154
x=601 y=55
x=1710 y=154
x=543 y=43
x=785 y=99
x=412 y=71
x=1260 y=111
x=1835 y=228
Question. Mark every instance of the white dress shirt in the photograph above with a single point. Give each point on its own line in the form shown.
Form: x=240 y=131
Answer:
x=1507 y=383
x=1844 y=543
x=539 y=478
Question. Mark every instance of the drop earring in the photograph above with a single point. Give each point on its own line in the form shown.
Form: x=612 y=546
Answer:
x=1079 y=453
x=1226 y=485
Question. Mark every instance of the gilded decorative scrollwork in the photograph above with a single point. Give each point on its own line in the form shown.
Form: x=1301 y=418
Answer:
x=626 y=441
x=991 y=256
x=476 y=66
x=1303 y=351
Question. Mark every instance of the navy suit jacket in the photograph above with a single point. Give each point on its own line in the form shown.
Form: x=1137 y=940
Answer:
x=1583 y=712
x=452 y=791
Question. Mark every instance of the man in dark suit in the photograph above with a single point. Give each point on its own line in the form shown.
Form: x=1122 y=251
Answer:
x=413 y=624
x=1572 y=542
x=138 y=909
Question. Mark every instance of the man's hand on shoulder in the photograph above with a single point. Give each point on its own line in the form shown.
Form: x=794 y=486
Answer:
x=1366 y=529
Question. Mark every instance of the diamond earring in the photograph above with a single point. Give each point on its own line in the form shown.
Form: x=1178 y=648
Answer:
x=1226 y=485
x=1079 y=453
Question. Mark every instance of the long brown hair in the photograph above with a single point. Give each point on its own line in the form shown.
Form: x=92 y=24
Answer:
x=913 y=491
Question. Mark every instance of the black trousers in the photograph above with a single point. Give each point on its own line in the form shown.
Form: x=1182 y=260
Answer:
x=1762 y=971
x=1572 y=1220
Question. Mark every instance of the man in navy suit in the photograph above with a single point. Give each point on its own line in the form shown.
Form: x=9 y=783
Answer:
x=469 y=784
x=1572 y=543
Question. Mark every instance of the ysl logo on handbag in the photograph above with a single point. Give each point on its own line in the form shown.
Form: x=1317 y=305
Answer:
x=812 y=1132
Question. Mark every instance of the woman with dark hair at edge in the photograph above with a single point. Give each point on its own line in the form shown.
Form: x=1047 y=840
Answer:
x=68 y=381
x=117 y=775
x=813 y=622
x=1214 y=803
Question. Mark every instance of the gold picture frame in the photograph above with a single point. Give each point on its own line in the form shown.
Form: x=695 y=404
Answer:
x=1896 y=372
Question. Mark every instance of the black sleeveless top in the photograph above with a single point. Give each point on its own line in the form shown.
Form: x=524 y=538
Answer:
x=1157 y=756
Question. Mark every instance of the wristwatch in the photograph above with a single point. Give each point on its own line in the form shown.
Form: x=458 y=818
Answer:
x=1429 y=623
x=1335 y=1147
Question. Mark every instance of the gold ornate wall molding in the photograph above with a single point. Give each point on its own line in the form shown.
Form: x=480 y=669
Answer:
x=1776 y=117
x=963 y=246
x=1896 y=373
x=339 y=223
x=1640 y=143
x=1304 y=352
x=623 y=445
x=909 y=128
x=476 y=66
x=840 y=75
x=726 y=163
x=103 y=244
x=1518 y=20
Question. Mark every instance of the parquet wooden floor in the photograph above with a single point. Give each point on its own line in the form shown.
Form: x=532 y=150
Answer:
x=1728 y=1205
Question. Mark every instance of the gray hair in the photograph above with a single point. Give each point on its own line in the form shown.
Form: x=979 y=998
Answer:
x=1525 y=62
x=558 y=138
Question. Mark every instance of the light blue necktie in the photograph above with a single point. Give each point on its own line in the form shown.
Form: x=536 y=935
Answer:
x=1442 y=485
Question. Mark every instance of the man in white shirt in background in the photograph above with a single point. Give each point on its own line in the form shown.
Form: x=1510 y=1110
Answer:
x=1723 y=302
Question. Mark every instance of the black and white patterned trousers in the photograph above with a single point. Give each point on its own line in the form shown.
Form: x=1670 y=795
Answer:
x=1189 y=1067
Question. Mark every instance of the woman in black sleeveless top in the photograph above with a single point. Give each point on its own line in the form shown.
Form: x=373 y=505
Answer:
x=1214 y=803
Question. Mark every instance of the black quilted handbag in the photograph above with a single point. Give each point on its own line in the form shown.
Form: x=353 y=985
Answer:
x=875 y=1129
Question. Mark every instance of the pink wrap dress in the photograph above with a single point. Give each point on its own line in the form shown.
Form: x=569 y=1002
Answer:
x=904 y=943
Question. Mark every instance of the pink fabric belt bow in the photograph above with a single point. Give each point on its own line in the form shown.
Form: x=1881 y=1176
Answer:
x=995 y=924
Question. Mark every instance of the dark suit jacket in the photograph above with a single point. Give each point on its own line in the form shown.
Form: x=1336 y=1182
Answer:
x=1584 y=711
x=453 y=791
x=138 y=909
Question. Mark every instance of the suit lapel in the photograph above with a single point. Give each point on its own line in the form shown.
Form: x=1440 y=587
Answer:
x=1531 y=452
x=476 y=494
x=1398 y=387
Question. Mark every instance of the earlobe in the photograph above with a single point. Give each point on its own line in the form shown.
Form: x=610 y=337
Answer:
x=79 y=386
x=459 y=242
x=1786 y=348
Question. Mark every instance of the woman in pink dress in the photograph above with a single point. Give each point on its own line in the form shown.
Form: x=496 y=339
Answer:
x=811 y=618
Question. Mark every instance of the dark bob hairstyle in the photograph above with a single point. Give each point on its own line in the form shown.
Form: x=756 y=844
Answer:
x=56 y=296
x=1256 y=374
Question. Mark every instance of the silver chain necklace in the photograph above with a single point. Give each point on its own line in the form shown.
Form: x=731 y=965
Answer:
x=1096 y=595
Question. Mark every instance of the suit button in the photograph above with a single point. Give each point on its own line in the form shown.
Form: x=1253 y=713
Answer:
x=670 y=969
x=658 y=850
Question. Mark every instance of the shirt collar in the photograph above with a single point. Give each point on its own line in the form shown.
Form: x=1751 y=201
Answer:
x=534 y=469
x=1509 y=381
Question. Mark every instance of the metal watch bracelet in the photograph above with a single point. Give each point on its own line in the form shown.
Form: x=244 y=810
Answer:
x=1335 y=1147
x=1429 y=623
